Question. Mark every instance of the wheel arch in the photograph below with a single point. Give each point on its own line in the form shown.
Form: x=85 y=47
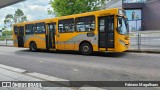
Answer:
x=32 y=42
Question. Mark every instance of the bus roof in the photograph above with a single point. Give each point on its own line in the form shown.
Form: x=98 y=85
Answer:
x=70 y=16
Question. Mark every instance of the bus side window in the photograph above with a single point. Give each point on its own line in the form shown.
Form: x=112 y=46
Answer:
x=102 y=25
x=85 y=24
x=40 y=28
x=29 y=29
x=15 y=30
x=66 y=25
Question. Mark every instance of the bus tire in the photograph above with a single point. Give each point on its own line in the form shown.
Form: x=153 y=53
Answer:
x=86 y=48
x=33 y=47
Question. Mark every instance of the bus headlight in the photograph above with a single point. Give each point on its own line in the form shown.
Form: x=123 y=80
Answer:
x=122 y=42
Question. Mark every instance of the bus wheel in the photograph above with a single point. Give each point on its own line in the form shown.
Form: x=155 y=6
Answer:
x=86 y=48
x=33 y=47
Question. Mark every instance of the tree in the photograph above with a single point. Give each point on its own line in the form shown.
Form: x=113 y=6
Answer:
x=16 y=18
x=9 y=19
x=19 y=16
x=68 y=7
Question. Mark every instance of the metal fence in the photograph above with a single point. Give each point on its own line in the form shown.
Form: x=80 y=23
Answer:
x=5 y=42
x=145 y=40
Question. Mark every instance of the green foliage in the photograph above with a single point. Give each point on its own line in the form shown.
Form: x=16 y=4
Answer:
x=9 y=33
x=8 y=19
x=69 y=7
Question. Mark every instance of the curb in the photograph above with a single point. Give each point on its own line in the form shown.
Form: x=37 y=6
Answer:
x=7 y=45
x=49 y=78
x=13 y=69
x=144 y=51
x=60 y=81
x=57 y=80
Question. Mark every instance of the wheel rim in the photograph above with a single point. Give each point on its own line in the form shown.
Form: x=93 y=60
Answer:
x=85 y=48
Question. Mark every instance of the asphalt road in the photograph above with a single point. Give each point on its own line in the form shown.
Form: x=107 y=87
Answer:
x=76 y=67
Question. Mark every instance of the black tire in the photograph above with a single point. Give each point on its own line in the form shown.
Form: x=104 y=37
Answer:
x=86 y=48
x=33 y=47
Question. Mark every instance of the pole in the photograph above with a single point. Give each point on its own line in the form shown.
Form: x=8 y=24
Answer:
x=139 y=41
x=6 y=36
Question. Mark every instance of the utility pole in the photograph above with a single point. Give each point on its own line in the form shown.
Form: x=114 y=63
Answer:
x=6 y=36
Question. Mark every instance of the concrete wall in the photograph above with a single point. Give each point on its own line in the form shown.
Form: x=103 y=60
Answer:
x=151 y=15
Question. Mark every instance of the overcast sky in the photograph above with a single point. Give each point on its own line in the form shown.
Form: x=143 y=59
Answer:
x=33 y=9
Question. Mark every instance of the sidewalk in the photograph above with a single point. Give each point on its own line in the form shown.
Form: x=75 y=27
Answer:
x=144 y=49
x=15 y=75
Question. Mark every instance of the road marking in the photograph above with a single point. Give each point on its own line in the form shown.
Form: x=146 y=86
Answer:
x=13 y=68
x=47 y=77
x=41 y=61
x=76 y=70
x=51 y=78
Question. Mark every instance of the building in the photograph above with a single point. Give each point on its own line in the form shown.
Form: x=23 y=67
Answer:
x=142 y=15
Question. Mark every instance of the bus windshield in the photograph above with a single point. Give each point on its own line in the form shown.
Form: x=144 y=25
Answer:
x=122 y=26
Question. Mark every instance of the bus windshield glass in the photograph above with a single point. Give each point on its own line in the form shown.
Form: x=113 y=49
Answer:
x=122 y=26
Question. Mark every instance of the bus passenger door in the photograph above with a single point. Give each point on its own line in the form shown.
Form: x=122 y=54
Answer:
x=106 y=32
x=20 y=36
x=50 y=36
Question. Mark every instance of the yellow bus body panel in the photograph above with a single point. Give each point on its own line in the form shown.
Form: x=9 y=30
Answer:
x=71 y=41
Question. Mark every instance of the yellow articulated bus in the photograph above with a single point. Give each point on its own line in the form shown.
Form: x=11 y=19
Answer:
x=103 y=31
